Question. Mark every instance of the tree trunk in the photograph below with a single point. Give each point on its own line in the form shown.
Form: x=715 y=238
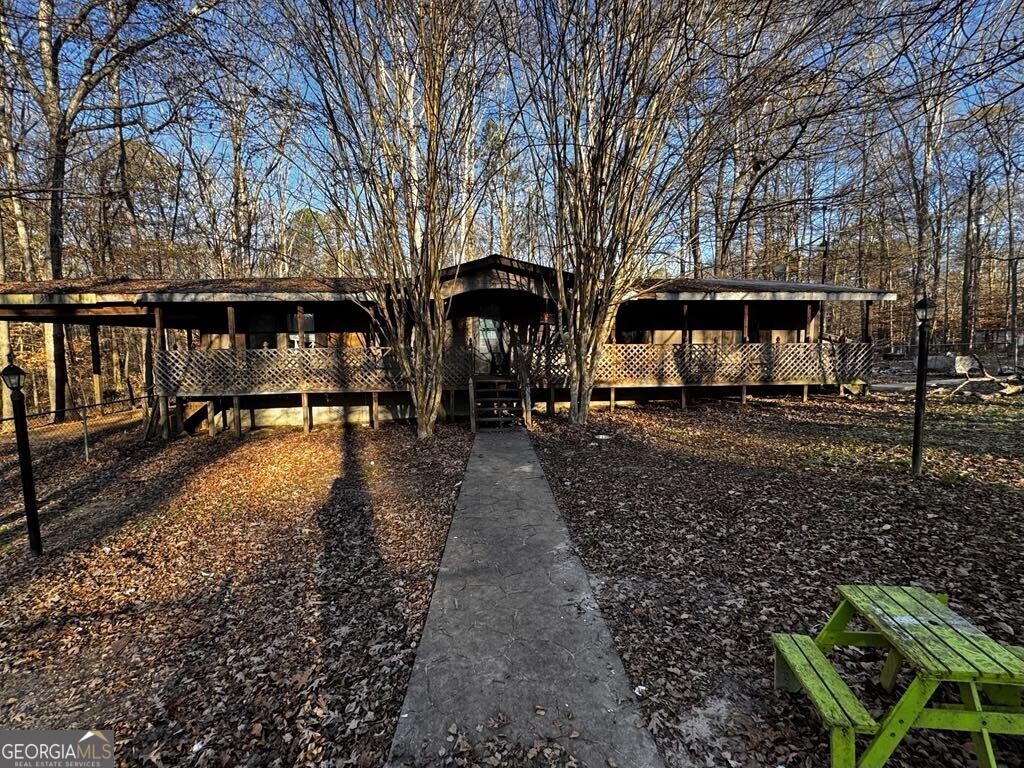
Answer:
x=965 y=293
x=124 y=192
x=425 y=392
x=5 y=330
x=5 y=348
x=56 y=369
x=427 y=402
x=580 y=392
x=56 y=364
x=11 y=168
x=583 y=361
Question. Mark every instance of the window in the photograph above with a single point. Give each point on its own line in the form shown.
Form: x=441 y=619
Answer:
x=261 y=332
x=721 y=338
x=308 y=327
x=490 y=334
x=633 y=336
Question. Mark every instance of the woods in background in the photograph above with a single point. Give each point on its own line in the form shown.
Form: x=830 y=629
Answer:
x=848 y=143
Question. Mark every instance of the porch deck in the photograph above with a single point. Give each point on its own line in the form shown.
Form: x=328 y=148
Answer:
x=228 y=372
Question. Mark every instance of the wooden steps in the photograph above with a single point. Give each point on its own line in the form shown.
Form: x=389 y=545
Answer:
x=193 y=416
x=495 y=403
x=184 y=415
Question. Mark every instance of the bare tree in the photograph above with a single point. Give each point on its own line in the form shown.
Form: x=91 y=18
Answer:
x=1002 y=124
x=399 y=90
x=60 y=61
x=600 y=88
x=10 y=164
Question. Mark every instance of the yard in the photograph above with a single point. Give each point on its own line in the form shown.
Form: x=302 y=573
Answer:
x=704 y=530
x=217 y=603
x=260 y=603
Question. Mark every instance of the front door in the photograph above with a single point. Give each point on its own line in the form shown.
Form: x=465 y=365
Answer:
x=491 y=347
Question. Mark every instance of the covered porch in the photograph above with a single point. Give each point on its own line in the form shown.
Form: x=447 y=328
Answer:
x=236 y=372
x=311 y=343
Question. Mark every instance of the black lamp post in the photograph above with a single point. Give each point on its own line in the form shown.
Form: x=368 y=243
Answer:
x=14 y=378
x=925 y=312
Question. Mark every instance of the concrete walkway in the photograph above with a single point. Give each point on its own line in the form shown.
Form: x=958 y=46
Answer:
x=513 y=629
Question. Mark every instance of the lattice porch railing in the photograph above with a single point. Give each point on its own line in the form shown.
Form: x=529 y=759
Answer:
x=220 y=372
x=653 y=365
x=227 y=372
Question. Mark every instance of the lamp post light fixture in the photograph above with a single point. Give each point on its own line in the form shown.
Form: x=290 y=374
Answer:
x=924 y=310
x=14 y=379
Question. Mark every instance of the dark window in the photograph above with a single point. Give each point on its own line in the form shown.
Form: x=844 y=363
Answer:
x=308 y=327
x=261 y=332
x=633 y=336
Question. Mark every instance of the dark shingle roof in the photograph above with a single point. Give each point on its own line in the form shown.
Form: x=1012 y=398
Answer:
x=153 y=286
x=136 y=290
x=728 y=285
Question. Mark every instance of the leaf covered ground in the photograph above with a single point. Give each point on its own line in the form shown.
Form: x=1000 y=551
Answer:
x=223 y=603
x=706 y=529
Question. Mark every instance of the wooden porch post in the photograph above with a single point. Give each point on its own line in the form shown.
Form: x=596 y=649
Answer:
x=211 y=418
x=810 y=321
x=300 y=329
x=179 y=415
x=687 y=339
x=161 y=346
x=746 y=340
x=236 y=403
x=472 y=406
x=614 y=334
x=374 y=412
x=868 y=318
x=866 y=337
x=94 y=351
x=147 y=373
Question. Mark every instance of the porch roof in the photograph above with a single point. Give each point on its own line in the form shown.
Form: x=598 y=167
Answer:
x=724 y=289
x=130 y=300
x=95 y=290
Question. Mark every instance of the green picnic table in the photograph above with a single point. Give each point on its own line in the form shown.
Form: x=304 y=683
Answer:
x=918 y=629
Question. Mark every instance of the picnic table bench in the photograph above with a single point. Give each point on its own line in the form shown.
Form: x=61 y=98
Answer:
x=918 y=629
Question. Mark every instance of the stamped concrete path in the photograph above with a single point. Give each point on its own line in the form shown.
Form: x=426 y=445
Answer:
x=514 y=630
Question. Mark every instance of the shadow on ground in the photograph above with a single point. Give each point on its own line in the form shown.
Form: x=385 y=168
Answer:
x=259 y=606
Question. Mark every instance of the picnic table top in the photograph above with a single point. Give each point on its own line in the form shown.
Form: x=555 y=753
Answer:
x=939 y=643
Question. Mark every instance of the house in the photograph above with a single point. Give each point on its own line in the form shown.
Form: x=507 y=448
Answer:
x=288 y=348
